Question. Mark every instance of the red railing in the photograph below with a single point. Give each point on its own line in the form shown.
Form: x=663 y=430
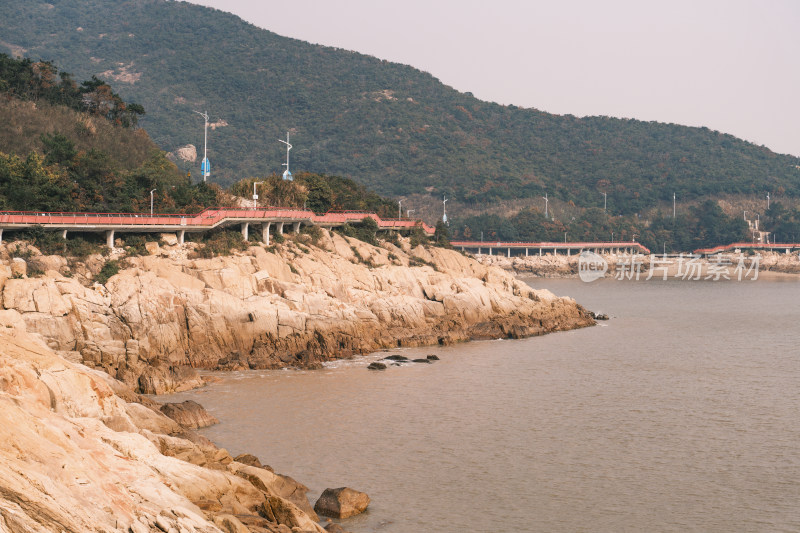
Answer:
x=558 y=245
x=207 y=218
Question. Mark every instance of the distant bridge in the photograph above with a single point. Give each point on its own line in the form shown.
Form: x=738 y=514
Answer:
x=738 y=246
x=539 y=248
x=264 y=219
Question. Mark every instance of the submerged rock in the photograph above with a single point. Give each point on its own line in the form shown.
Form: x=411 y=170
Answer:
x=396 y=358
x=376 y=366
x=601 y=316
x=428 y=361
x=433 y=357
x=341 y=503
x=333 y=527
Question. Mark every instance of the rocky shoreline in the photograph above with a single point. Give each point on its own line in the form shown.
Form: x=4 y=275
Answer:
x=770 y=264
x=83 y=450
x=295 y=304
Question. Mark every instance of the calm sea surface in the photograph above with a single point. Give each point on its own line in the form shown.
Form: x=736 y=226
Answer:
x=681 y=413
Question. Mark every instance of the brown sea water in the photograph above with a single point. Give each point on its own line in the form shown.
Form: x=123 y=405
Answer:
x=681 y=413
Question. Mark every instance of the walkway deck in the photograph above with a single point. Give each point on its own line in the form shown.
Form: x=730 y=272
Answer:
x=566 y=248
x=738 y=246
x=212 y=218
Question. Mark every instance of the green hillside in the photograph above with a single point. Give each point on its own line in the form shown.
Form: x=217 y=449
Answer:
x=66 y=146
x=391 y=127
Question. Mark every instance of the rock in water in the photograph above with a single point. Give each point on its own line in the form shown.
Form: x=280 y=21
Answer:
x=341 y=503
x=376 y=366
x=433 y=357
x=428 y=361
x=602 y=316
x=189 y=414
x=396 y=358
x=335 y=528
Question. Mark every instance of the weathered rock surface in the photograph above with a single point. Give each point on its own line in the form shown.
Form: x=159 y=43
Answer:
x=154 y=323
x=189 y=414
x=76 y=456
x=341 y=503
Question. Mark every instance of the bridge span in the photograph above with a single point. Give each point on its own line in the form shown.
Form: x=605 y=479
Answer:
x=737 y=247
x=263 y=219
x=540 y=248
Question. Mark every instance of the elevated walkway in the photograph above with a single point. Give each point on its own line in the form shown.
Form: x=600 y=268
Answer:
x=540 y=248
x=262 y=218
x=737 y=247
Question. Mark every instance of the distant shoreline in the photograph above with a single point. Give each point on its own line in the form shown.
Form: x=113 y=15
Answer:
x=733 y=267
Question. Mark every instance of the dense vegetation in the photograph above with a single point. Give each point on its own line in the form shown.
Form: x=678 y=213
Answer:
x=70 y=147
x=318 y=192
x=64 y=156
x=389 y=126
x=41 y=81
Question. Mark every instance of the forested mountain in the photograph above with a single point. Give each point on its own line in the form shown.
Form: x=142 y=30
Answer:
x=389 y=126
x=66 y=146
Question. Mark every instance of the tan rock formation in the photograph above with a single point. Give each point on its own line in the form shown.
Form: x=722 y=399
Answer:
x=76 y=456
x=292 y=304
x=343 y=502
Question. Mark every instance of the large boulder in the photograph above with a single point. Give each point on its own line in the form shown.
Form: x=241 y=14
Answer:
x=341 y=503
x=189 y=414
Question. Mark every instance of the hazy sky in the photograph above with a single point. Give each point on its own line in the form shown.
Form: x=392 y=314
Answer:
x=730 y=65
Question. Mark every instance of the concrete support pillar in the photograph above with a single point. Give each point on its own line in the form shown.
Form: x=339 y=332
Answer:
x=64 y=235
x=479 y=250
x=526 y=252
x=540 y=252
x=509 y=253
x=296 y=227
x=265 y=232
x=181 y=236
x=279 y=225
x=1 y=235
x=490 y=250
x=110 y=239
x=569 y=252
x=245 y=230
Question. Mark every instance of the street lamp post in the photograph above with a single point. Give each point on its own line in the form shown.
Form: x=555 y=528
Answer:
x=409 y=211
x=205 y=167
x=151 y=201
x=605 y=198
x=287 y=175
x=400 y=208
x=545 y=205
